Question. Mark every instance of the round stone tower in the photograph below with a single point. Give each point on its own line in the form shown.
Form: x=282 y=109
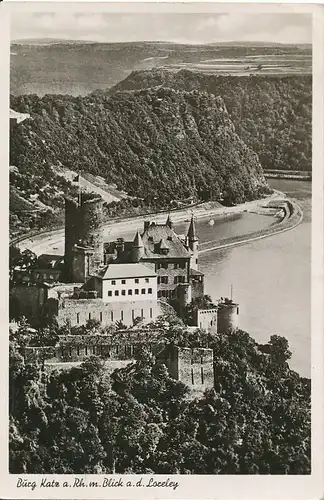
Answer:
x=227 y=316
x=84 y=250
x=90 y=233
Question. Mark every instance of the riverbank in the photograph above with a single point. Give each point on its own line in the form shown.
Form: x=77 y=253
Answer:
x=48 y=241
x=293 y=216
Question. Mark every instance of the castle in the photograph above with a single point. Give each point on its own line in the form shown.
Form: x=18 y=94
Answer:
x=120 y=282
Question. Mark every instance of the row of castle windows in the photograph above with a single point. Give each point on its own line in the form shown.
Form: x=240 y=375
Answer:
x=166 y=293
x=124 y=281
x=165 y=265
x=99 y=350
x=130 y=292
x=165 y=280
x=113 y=317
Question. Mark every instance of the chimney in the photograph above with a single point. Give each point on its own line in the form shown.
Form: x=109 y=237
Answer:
x=120 y=245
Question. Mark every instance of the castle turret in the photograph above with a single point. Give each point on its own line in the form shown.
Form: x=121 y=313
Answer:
x=192 y=242
x=169 y=222
x=137 y=248
x=227 y=316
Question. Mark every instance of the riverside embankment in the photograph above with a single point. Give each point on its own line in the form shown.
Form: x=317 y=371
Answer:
x=53 y=241
x=292 y=216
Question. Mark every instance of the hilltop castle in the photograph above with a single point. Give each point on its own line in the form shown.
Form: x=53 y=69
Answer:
x=114 y=281
x=120 y=282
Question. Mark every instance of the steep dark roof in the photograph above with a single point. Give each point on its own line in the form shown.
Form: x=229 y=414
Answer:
x=152 y=237
x=192 y=235
x=138 y=243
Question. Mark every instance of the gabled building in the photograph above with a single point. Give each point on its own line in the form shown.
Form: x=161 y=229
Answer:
x=174 y=259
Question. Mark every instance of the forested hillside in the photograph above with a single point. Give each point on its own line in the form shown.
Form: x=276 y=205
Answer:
x=79 y=421
x=158 y=145
x=271 y=114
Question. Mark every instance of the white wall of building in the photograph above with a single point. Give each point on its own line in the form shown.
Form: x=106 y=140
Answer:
x=129 y=289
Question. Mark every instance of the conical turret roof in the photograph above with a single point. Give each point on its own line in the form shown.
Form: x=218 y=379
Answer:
x=138 y=242
x=192 y=235
x=169 y=222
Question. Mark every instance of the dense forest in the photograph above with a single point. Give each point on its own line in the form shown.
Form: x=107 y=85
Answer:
x=158 y=145
x=271 y=114
x=256 y=420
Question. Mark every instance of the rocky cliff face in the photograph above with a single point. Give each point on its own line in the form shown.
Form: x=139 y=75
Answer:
x=158 y=144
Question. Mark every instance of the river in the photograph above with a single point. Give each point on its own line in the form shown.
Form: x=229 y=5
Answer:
x=271 y=279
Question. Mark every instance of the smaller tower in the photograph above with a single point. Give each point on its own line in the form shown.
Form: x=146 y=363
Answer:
x=193 y=241
x=137 y=248
x=227 y=316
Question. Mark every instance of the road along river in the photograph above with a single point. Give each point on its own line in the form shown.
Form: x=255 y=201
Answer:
x=270 y=277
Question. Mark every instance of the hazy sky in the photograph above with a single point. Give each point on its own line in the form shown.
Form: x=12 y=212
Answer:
x=186 y=28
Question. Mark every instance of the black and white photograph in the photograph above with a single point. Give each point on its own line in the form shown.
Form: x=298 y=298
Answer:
x=160 y=212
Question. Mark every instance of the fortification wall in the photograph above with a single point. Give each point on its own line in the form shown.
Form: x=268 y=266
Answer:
x=196 y=367
x=79 y=311
x=207 y=319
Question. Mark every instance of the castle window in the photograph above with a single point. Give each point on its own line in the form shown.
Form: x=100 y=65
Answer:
x=109 y=293
x=237 y=310
x=136 y=291
x=159 y=294
x=89 y=315
x=130 y=292
x=112 y=315
x=136 y=280
x=158 y=280
x=86 y=350
x=196 y=261
x=94 y=350
x=116 y=293
x=175 y=280
x=147 y=280
x=70 y=351
x=182 y=265
x=143 y=291
x=78 y=318
x=175 y=266
x=78 y=351
x=192 y=377
x=164 y=279
x=121 y=315
x=123 y=282
x=142 y=313
x=202 y=375
x=62 y=352
x=157 y=266
x=149 y=291
x=133 y=315
x=151 y=312
x=100 y=315
x=164 y=265
x=123 y=292
x=113 y=282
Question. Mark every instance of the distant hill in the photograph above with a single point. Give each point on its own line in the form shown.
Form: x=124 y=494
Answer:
x=156 y=145
x=50 y=66
x=272 y=115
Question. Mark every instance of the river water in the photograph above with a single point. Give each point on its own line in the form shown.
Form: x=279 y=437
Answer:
x=271 y=278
